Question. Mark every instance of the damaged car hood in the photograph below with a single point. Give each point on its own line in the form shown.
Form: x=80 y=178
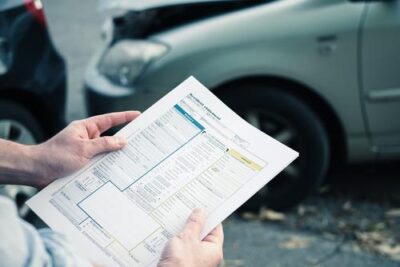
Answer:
x=133 y=19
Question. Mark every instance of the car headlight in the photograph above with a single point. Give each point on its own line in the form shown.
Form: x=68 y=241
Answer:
x=123 y=63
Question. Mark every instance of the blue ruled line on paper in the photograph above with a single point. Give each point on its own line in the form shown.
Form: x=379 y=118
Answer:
x=160 y=162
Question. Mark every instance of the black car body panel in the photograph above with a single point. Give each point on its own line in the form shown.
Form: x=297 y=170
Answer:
x=33 y=72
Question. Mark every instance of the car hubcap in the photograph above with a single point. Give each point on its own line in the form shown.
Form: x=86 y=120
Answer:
x=280 y=129
x=16 y=132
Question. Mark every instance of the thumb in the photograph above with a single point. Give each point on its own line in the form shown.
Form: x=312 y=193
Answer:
x=195 y=223
x=105 y=144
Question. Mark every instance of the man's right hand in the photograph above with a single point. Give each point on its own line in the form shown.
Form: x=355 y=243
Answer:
x=187 y=249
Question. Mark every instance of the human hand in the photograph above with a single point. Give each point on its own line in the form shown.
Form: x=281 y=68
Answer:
x=74 y=146
x=187 y=249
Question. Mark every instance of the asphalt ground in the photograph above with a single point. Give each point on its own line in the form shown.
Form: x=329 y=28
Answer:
x=75 y=27
x=346 y=224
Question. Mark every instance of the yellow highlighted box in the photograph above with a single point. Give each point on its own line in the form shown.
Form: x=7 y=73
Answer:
x=249 y=163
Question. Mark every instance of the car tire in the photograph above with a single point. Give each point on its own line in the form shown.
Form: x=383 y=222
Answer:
x=14 y=112
x=287 y=118
x=17 y=124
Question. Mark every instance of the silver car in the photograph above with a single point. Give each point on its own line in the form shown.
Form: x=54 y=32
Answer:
x=320 y=76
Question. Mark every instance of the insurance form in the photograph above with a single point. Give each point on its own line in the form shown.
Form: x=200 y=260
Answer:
x=188 y=150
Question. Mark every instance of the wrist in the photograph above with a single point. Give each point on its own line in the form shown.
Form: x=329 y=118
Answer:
x=28 y=167
x=38 y=165
x=17 y=163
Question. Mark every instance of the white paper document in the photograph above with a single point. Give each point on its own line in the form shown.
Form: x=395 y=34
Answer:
x=188 y=150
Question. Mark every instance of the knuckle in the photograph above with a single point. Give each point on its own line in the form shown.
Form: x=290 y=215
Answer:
x=75 y=122
x=195 y=218
x=84 y=150
x=184 y=236
x=108 y=141
x=181 y=236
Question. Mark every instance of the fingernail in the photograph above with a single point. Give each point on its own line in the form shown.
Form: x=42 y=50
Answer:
x=198 y=211
x=121 y=141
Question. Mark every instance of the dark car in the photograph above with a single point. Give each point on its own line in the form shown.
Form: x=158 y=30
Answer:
x=32 y=77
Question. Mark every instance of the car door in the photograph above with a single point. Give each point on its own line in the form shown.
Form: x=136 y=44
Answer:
x=380 y=73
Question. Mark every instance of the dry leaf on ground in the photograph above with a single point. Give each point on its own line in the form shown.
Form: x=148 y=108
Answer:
x=347 y=206
x=303 y=210
x=231 y=262
x=264 y=214
x=371 y=237
x=393 y=213
x=356 y=248
x=295 y=242
x=391 y=251
x=380 y=242
x=271 y=215
x=249 y=216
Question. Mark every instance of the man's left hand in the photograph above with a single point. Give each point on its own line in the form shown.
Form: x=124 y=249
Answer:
x=74 y=146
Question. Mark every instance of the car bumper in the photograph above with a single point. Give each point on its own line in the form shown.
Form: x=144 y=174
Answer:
x=102 y=96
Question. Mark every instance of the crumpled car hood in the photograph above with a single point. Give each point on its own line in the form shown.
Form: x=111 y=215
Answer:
x=139 y=5
x=132 y=19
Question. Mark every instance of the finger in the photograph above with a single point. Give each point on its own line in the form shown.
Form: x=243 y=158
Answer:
x=216 y=235
x=104 y=144
x=195 y=223
x=106 y=121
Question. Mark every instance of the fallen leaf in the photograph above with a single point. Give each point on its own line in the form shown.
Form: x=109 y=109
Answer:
x=301 y=210
x=393 y=213
x=390 y=251
x=347 y=206
x=249 y=216
x=295 y=242
x=271 y=215
x=231 y=262
x=356 y=248
x=371 y=237
x=380 y=243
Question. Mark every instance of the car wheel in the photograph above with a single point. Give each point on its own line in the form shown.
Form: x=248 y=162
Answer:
x=288 y=119
x=18 y=125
